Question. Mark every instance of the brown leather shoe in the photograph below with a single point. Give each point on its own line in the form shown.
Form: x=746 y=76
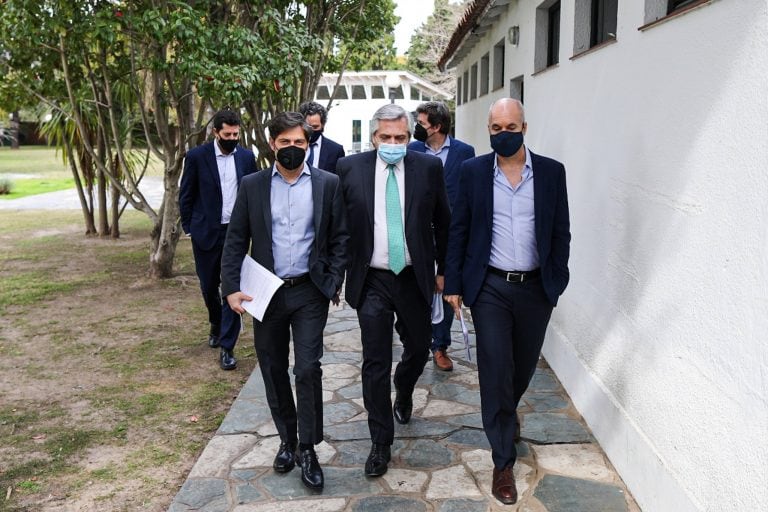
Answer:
x=443 y=361
x=503 y=487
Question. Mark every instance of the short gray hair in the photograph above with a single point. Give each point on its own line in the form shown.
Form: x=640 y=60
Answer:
x=508 y=100
x=390 y=112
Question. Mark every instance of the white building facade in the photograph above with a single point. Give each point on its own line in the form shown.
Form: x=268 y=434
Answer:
x=359 y=94
x=659 y=111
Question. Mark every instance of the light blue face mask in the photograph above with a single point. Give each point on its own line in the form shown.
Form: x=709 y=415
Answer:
x=391 y=153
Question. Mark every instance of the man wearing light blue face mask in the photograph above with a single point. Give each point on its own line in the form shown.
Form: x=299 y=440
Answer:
x=398 y=217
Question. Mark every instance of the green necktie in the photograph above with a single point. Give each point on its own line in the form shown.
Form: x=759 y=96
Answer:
x=395 y=235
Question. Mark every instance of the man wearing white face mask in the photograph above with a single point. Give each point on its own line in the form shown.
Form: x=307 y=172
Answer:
x=398 y=217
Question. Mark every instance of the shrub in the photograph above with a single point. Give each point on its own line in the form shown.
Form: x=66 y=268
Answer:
x=5 y=186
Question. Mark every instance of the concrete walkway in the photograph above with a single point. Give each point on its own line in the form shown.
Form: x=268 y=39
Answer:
x=151 y=187
x=441 y=460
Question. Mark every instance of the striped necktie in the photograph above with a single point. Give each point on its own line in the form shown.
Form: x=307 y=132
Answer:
x=395 y=234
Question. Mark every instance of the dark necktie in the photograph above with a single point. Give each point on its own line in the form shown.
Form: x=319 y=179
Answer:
x=311 y=159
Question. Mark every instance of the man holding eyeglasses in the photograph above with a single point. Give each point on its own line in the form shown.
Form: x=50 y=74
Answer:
x=398 y=216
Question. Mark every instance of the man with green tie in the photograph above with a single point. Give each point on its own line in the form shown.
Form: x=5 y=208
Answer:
x=398 y=217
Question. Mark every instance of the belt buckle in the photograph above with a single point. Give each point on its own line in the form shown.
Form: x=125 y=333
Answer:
x=515 y=277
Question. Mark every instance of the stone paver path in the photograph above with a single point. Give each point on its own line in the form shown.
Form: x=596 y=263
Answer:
x=441 y=460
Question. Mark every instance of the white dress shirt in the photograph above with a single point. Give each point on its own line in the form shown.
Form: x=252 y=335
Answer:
x=380 y=256
x=316 y=155
x=228 y=179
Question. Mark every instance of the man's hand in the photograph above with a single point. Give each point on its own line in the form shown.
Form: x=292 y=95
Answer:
x=336 y=298
x=455 y=302
x=234 y=300
x=439 y=283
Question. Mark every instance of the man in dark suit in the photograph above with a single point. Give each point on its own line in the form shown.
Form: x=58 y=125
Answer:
x=323 y=153
x=508 y=261
x=212 y=173
x=292 y=216
x=433 y=124
x=398 y=216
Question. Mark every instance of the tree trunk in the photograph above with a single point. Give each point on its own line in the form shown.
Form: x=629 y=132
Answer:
x=166 y=231
x=115 y=212
x=90 y=225
x=101 y=191
x=15 y=132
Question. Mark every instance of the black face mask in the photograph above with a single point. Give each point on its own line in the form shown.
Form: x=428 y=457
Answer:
x=506 y=143
x=291 y=157
x=228 y=145
x=420 y=133
x=315 y=135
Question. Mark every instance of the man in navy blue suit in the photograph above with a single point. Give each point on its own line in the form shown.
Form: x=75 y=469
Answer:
x=508 y=261
x=433 y=124
x=322 y=153
x=212 y=174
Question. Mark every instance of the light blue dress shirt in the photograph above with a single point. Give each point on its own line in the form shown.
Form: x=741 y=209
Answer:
x=513 y=236
x=293 y=227
x=441 y=153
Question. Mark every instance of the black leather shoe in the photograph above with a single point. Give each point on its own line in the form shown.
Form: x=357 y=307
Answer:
x=402 y=408
x=311 y=473
x=213 y=341
x=285 y=458
x=376 y=465
x=227 y=359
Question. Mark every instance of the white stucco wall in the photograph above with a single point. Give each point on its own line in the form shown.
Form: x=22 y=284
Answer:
x=661 y=336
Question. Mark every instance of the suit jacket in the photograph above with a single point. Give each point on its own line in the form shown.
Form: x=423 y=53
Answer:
x=330 y=153
x=458 y=152
x=251 y=224
x=469 y=244
x=200 y=200
x=427 y=218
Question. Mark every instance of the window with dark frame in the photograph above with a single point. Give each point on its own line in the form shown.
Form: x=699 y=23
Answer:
x=553 y=35
x=674 y=5
x=498 y=65
x=484 y=73
x=603 y=17
x=473 y=81
x=465 y=92
x=458 y=91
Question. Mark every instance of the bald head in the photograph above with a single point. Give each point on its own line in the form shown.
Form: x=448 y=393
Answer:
x=507 y=107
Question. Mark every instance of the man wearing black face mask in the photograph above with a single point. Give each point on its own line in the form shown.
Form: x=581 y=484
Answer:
x=212 y=173
x=322 y=152
x=433 y=124
x=293 y=218
x=510 y=275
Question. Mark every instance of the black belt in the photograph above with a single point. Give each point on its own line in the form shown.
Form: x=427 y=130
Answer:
x=289 y=282
x=515 y=276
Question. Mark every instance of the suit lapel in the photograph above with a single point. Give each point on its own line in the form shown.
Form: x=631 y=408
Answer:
x=239 y=165
x=487 y=187
x=369 y=184
x=450 y=160
x=539 y=189
x=409 y=178
x=213 y=168
x=266 y=201
x=317 y=199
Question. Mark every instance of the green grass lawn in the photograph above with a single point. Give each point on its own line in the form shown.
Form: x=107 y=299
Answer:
x=36 y=161
x=30 y=186
x=38 y=169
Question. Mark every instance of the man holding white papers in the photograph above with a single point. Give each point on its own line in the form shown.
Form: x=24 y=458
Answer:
x=293 y=218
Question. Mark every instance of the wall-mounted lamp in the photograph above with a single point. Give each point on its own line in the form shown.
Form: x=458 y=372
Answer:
x=513 y=35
